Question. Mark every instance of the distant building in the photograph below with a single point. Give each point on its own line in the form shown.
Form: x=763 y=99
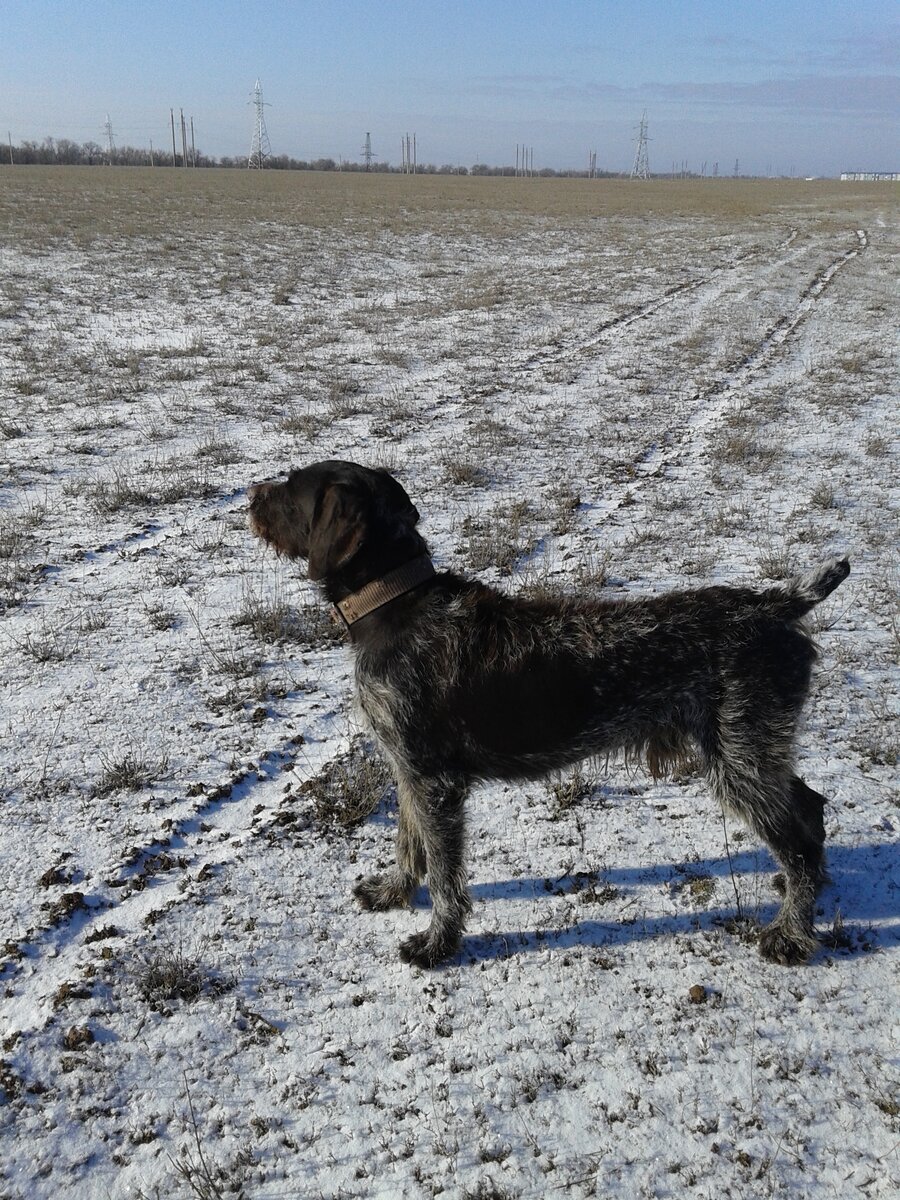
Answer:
x=871 y=176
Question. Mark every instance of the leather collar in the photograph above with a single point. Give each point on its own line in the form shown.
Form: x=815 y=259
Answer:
x=382 y=591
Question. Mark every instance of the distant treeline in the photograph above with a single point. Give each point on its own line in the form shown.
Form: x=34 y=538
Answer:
x=62 y=152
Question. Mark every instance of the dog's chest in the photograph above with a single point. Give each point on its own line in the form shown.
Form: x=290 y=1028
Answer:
x=381 y=705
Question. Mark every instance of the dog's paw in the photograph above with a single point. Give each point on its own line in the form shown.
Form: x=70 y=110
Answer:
x=380 y=892
x=779 y=947
x=421 y=950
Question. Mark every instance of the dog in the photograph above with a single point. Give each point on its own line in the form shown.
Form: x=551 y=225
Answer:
x=461 y=683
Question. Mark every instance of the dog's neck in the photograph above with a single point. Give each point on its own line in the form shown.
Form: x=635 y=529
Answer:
x=381 y=591
x=384 y=569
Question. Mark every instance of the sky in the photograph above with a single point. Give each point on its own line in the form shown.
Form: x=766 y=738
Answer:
x=792 y=87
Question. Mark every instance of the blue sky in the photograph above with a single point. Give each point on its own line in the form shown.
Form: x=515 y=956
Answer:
x=808 y=86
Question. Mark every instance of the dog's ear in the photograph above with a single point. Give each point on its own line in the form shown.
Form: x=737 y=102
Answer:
x=396 y=499
x=338 y=528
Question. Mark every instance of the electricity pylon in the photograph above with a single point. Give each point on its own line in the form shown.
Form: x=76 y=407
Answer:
x=641 y=168
x=260 y=150
x=110 y=140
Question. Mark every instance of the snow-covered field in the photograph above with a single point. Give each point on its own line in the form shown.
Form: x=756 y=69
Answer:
x=582 y=385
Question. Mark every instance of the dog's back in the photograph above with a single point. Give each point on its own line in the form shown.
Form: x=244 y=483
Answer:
x=495 y=686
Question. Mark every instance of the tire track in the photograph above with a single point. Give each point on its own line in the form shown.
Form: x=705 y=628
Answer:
x=144 y=538
x=150 y=535
x=649 y=308
x=151 y=879
x=787 y=324
x=576 y=348
x=709 y=404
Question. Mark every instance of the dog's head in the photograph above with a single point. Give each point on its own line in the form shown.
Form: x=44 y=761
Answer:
x=339 y=516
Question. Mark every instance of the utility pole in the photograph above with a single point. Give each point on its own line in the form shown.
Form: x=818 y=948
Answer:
x=184 y=159
x=152 y=159
x=172 y=119
x=408 y=160
x=193 y=146
x=11 y=159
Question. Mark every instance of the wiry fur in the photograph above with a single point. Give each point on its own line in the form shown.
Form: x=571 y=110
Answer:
x=461 y=683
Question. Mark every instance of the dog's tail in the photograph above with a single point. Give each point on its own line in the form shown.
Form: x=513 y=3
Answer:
x=804 y=592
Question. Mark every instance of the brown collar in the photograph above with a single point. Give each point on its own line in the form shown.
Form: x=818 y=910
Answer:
x=381 y=591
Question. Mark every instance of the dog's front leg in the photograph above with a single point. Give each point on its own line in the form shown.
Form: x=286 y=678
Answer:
x=437 y=823
x=394 y=889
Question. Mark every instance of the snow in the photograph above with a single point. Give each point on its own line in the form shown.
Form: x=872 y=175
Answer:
x=637 y=398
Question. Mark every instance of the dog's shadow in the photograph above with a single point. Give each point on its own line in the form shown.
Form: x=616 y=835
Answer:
x=859 y=910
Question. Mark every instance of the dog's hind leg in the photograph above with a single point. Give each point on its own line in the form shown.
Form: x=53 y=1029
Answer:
x=780 y=809
x=790 y=938
x=394 y=889
x=748 y=749
x=438 y=805
x=810 y=805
